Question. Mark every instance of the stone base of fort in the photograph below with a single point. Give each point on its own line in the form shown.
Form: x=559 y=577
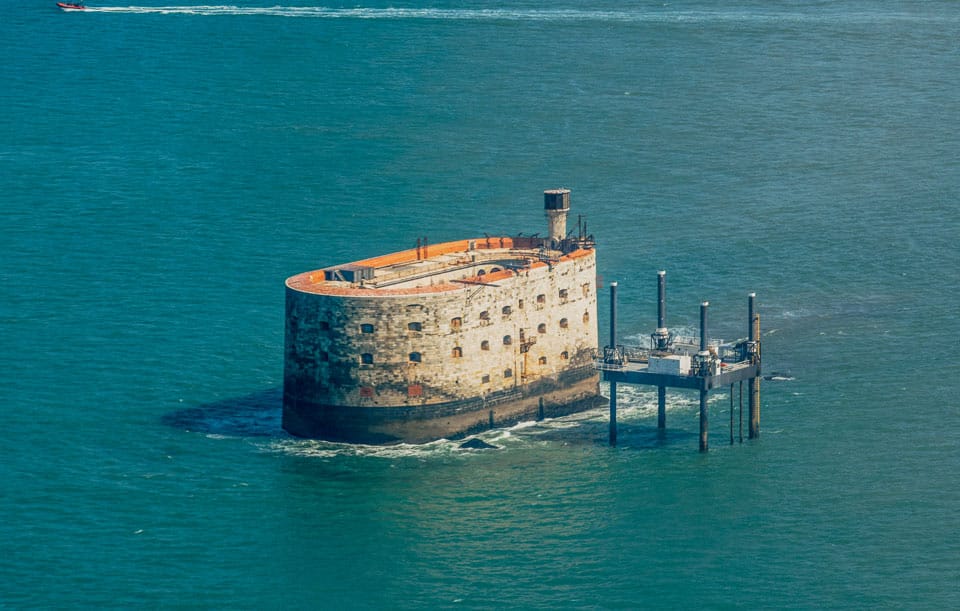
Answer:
x=450 y=420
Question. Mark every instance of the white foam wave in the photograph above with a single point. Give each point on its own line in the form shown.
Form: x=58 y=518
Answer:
x=549 y=15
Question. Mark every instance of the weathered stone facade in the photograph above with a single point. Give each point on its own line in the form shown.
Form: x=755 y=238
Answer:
x=466 y=336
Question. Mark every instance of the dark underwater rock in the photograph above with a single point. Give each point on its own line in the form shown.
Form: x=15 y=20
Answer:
x=477 y=444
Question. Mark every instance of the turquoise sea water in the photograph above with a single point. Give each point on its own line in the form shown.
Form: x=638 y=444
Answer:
x=163 y=170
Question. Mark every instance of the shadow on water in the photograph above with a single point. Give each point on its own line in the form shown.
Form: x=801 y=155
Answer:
x=257 y=414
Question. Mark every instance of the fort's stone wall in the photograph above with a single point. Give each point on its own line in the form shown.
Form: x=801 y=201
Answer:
x=475 y=341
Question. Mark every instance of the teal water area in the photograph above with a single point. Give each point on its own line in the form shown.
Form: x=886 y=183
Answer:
x=163 y=170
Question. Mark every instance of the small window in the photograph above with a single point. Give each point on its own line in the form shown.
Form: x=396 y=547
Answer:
x=507 y=340
x=586 y=289
x=485 y=379
x=586 y=317
x=456 y=323
x=563 y=293
x=415 y=357
x=484 y=345
x=520 y=304
x=508 y=373
x=324 y=325
x=494 y=269
x=485 y=315
x=415 y=326
x=507 y=310
x=541 y=299
x=366 y=328
x=457 y=352
x=542 y=360
x=541 y=328
x=481 y=273
x=563 y=323
x=366 y=358
x=564 y=355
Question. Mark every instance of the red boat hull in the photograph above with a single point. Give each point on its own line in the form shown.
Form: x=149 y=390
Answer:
x=67 y=6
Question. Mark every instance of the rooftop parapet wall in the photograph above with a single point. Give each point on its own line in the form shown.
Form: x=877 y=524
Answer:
x=437 y=259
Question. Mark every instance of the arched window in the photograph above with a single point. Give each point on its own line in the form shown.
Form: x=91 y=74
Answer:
x=541 y=299
x=481 y=273
x=542 y=328
x=485 y=316
x=484 y=345
x=366 y=328
x=415 y=326
x=586 y=289
x=563 y=323
x=507 y=340
x=564 y=355
x=563 y=294
x=415 y=357
x=542 y=360
x=456 y=323
x=586 y=317
x=366 y=358
x=457 y=352
x=494 y=269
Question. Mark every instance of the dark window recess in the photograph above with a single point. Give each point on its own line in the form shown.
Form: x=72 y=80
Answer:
x=484 y=345
x=366 y=328
x=415 y=357
x=456 y=323
x=563 y=323
x=541 y=328
x=366 y=358
x=324 y=325
x=457 y=352
x=508 y=373
x=415 y=326
x=507 y=340
x=485 y=379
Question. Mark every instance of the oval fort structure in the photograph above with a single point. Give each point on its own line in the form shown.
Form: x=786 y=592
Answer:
x=444 y=340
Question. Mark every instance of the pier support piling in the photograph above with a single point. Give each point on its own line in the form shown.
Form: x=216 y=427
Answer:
x=613 y=346
x=704 y=434
x=731 y=414
x=661 y=408
x=754 y=383
x=704 y=425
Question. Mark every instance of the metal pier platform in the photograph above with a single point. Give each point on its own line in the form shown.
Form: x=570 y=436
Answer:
x=673 y=362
